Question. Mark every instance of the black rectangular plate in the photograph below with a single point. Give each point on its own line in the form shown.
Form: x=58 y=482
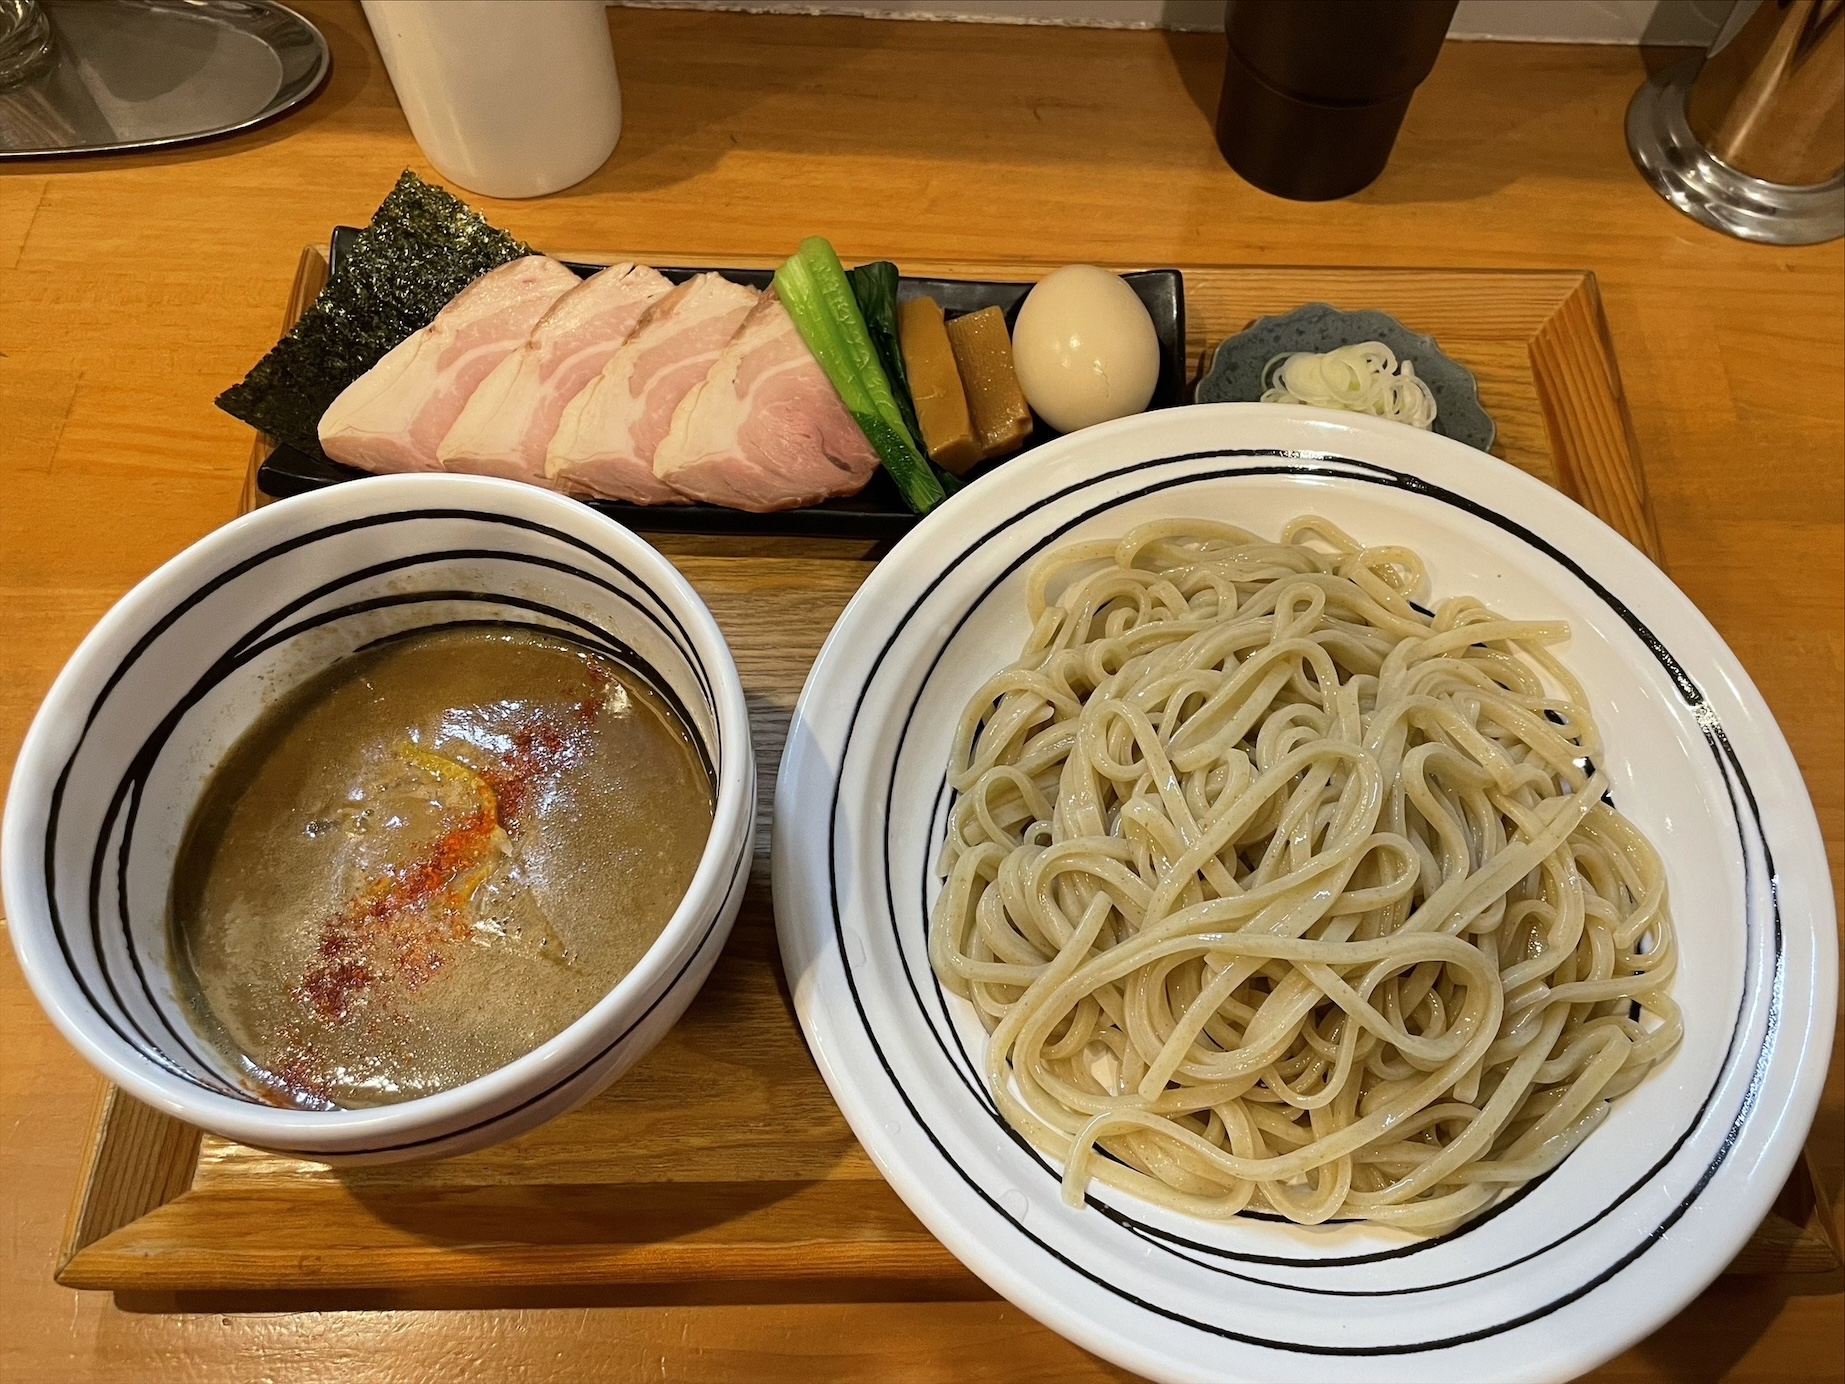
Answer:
x=877 y=511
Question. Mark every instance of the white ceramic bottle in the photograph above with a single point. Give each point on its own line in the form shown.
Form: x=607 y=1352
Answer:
x=509 y=98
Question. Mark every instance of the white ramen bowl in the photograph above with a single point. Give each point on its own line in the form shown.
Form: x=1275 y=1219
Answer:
x=1582 y=1262
x=151 y=701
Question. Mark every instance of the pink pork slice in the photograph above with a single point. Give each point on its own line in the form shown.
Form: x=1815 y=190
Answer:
x=394 y=416
x=605 y=441
x=508 y=424
x=766 y=430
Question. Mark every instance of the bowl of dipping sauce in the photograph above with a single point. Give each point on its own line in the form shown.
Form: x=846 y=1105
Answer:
x=386 y=822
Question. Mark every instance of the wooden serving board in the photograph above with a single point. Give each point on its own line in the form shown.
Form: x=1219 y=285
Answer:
x=719 y=1169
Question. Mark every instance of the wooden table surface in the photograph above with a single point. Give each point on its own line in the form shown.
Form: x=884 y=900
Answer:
x=133 y=290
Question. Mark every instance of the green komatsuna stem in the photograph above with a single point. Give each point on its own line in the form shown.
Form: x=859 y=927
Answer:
x=875 y=287
x=812 y=285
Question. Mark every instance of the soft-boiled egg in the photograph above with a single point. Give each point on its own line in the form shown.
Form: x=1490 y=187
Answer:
x=1084 y=348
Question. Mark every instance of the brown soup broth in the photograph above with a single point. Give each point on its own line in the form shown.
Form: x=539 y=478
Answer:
x=430 y=858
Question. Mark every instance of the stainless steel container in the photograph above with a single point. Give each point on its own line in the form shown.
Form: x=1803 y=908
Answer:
x=1749 y=138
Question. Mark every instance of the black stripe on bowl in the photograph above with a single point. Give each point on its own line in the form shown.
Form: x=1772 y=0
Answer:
x=247 y=650
x=171 y=617
x=1729 y=766
x=251 y=644
x=1193 y=1252
x=962 y=1062
x=497 y=554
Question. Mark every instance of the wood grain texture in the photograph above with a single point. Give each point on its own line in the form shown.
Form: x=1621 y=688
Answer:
x=132 y=290
x=523 y=1234
x=1579 y=385
x=138 y=1160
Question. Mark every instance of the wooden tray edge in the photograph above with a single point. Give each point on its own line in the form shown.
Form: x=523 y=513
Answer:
x=1598 y=459
x=855 y=1231
x=141 y=1229
x=139 y=1162
x=136 y=1160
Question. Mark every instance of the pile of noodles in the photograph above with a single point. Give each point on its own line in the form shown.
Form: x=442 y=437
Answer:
x=1278 y=893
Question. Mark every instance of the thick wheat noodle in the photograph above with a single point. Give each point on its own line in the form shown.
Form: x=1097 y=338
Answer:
x=1277 y=893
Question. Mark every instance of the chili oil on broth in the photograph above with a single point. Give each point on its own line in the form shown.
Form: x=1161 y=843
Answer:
x=429 y=859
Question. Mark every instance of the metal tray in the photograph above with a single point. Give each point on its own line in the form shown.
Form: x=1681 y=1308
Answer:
x=128 y=75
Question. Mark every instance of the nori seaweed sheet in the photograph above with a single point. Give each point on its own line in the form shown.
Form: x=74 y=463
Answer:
x=423 y=246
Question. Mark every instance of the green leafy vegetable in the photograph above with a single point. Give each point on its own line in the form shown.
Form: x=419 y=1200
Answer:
x=423 y=246
x=812 y=285
x=875 y=288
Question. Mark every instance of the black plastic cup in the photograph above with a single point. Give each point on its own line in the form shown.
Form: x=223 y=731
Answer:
x=1316 y=90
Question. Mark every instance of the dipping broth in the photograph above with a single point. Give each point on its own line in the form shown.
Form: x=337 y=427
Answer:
x=429 y=859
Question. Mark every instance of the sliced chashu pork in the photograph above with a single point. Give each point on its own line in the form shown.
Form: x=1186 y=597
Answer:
x=605 y=441
x=765 y=430
x=395 y=415
x=508 y=424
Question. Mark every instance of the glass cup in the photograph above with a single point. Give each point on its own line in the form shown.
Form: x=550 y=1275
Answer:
x=25 y=42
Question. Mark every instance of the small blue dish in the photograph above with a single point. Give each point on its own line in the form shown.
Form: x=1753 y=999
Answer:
x=1235 y=375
